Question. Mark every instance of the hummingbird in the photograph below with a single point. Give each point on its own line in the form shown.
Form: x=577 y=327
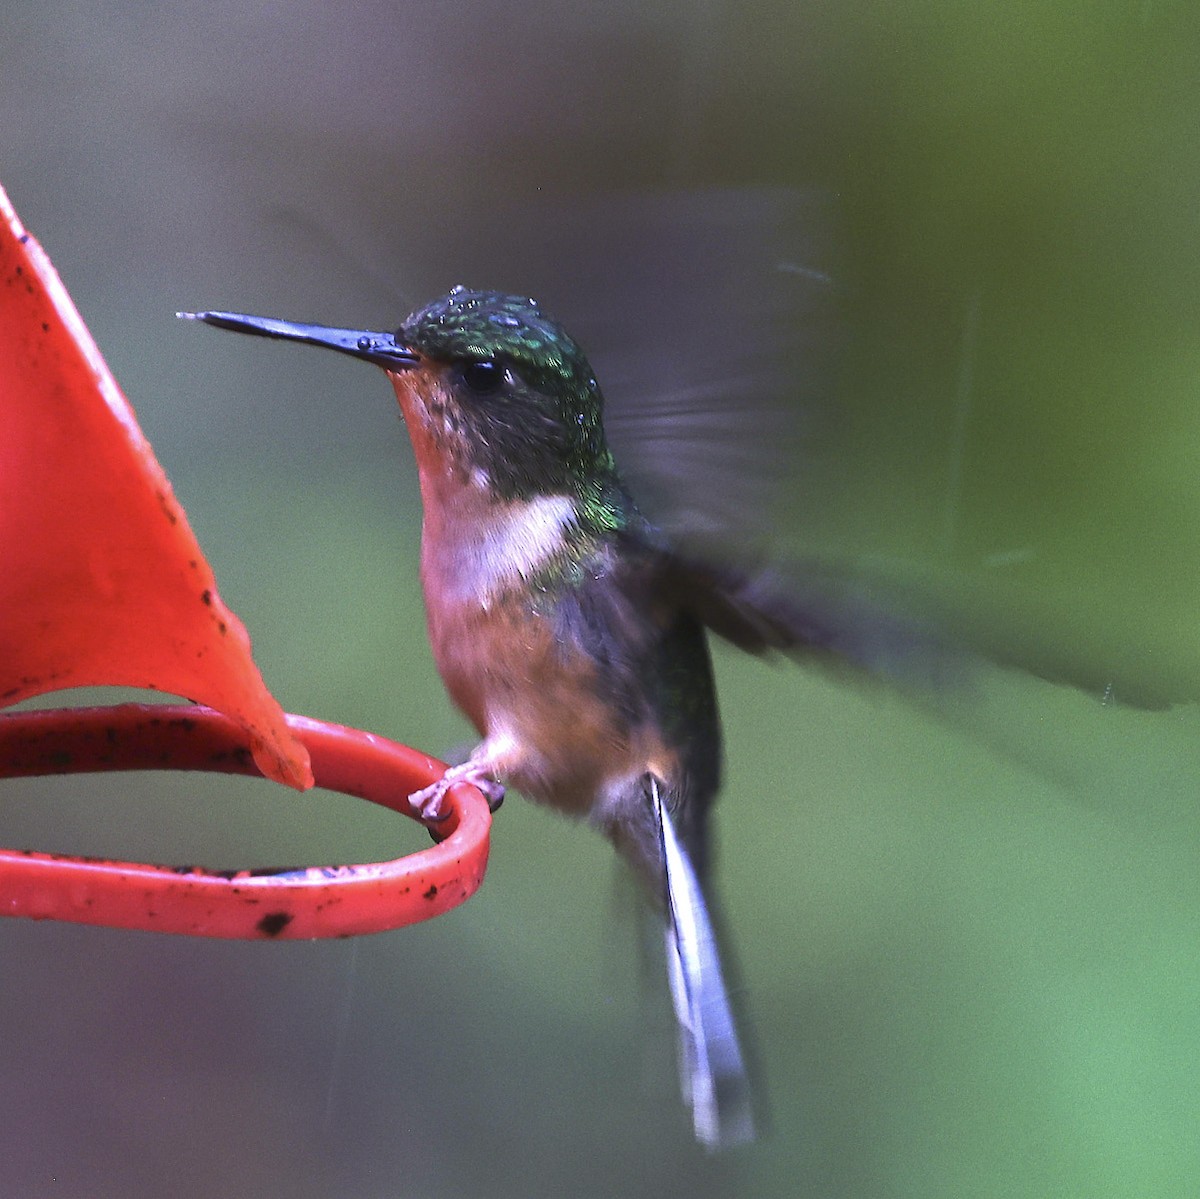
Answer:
x=568 y=628
x=573 y=630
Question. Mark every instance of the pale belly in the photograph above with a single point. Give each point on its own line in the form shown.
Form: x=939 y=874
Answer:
x=506 y=671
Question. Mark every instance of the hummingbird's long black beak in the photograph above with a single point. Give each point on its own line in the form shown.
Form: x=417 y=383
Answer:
x=380 y=348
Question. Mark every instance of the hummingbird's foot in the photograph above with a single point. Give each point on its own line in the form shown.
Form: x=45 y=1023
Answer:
x=427 y=803
x=496 y=755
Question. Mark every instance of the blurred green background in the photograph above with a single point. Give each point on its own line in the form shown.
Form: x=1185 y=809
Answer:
x=969 y=949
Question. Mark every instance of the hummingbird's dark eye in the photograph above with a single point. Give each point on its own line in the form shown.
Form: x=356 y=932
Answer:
x=483 y=378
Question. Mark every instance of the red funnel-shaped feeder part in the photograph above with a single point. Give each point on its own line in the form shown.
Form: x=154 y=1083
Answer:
x=102 y=582
x=101 y=579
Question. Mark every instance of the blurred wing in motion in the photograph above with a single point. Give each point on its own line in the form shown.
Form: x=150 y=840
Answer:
x=715 y=348
x=923 y=633
x=717 y=331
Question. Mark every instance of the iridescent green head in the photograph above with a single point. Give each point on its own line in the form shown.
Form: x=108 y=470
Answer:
x=518 y=386
x=480 y=326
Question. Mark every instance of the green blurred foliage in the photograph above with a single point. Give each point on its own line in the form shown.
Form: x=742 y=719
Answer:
x=968 y=949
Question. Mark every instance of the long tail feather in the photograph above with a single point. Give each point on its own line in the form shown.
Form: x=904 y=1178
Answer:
x=712 y=1071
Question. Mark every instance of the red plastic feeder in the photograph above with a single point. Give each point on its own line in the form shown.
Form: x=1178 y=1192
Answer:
x=103 y=582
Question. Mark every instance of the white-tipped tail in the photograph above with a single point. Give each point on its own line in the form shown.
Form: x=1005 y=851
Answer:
x=712 y=1071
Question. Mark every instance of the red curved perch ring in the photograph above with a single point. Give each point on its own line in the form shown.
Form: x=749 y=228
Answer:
x=317 y=901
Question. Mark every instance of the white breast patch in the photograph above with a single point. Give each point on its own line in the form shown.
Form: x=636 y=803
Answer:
x=501 y=545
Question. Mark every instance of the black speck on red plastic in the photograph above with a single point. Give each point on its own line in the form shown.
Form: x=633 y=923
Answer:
x=272 y=924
